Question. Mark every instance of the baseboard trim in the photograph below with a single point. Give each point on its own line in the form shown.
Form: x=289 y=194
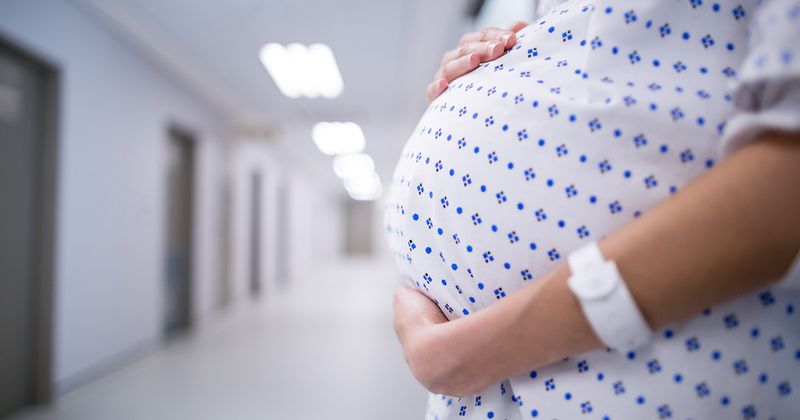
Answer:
x=108 y=365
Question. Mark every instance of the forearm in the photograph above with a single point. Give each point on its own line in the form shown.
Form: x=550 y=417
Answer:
x=728 y=232
x=731 y=231
x=536 y=326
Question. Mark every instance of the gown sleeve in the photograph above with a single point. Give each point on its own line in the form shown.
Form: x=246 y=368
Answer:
x=766 y=92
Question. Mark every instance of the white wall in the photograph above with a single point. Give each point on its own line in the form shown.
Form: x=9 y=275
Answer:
x=115 y=110
x=314 y=230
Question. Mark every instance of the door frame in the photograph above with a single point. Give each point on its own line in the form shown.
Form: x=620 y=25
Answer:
x=176 y=131
x=255 y=240
x=44 y=240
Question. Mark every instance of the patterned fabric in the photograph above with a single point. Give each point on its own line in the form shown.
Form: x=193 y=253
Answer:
x=601 y=110
x=767 y=91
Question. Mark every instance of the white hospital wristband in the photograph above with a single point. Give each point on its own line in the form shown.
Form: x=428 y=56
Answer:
x=606 y=301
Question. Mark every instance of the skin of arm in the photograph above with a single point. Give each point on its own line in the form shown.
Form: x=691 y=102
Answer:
x=732 y=230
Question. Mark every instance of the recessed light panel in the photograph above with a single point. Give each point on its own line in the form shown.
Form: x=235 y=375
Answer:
x=300 y=70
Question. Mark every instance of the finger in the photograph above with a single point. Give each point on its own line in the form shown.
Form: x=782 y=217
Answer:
x=517 y=26
x=485 y=34
x=397 y=305
x=457 y=68
x=430 y=95
x=510 y=39
x=402 y=294
x=402 y=306
x=507 y=41
x=435 y=88
x=488 y=50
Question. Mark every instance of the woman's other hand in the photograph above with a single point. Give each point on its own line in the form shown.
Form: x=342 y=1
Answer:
x=473 y=48
x=416 y=318
x=441 y=354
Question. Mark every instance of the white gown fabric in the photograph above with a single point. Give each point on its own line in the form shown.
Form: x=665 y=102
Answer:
x=602 y=110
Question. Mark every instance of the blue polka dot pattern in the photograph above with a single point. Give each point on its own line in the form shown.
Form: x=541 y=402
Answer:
x=600 y=111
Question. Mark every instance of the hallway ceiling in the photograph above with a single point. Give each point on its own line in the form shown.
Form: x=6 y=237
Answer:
x=387 y=52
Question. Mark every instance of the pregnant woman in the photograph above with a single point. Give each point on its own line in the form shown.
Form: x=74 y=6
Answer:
x=602 y=222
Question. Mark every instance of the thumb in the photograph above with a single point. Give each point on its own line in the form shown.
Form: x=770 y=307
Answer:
x=517 y=26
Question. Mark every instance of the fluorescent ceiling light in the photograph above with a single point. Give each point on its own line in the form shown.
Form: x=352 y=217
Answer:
x=328 y=79
x=364 y=188
x=280 y=67
x=301 y=70
x=349 y=167
x=338 y=138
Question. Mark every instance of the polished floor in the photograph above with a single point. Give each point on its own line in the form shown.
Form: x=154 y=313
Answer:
x=321 y=349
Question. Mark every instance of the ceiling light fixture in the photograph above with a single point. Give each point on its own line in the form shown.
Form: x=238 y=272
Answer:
x=301 y=70
x=338 y=138
x=349 y=167
x=366 y=188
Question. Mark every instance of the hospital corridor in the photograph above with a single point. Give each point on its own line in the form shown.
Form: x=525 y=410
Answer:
x=191 y=211
x=399 y=209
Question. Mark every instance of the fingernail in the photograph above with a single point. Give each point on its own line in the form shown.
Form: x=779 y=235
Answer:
x=505 y=39
x=492 y=47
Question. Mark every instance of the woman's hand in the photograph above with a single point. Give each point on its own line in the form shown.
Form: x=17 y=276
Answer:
x=417 y=323
x=473 y=48
x=442 y=354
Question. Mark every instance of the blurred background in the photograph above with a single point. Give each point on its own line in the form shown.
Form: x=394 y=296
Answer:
x=190 y=203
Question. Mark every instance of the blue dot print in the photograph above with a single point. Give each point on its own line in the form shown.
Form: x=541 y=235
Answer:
x=598 y=113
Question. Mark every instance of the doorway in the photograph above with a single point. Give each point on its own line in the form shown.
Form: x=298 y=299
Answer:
x=255 y=232
x=28 y=100
x=282 y=247
x=179 y=227
x=358 y=224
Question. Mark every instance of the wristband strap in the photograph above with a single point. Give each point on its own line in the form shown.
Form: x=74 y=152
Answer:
x=606 y=301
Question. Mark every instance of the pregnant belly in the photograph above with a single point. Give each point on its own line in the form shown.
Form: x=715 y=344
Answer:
x=505 y=175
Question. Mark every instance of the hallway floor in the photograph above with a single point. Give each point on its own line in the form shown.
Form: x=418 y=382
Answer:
x=323 y=349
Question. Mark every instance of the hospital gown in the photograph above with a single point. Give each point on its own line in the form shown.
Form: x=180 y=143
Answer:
x=600 y=111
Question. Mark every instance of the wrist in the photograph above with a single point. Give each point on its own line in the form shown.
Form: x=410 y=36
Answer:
x=558 y=319
x=545 y=311
x=605 y=300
